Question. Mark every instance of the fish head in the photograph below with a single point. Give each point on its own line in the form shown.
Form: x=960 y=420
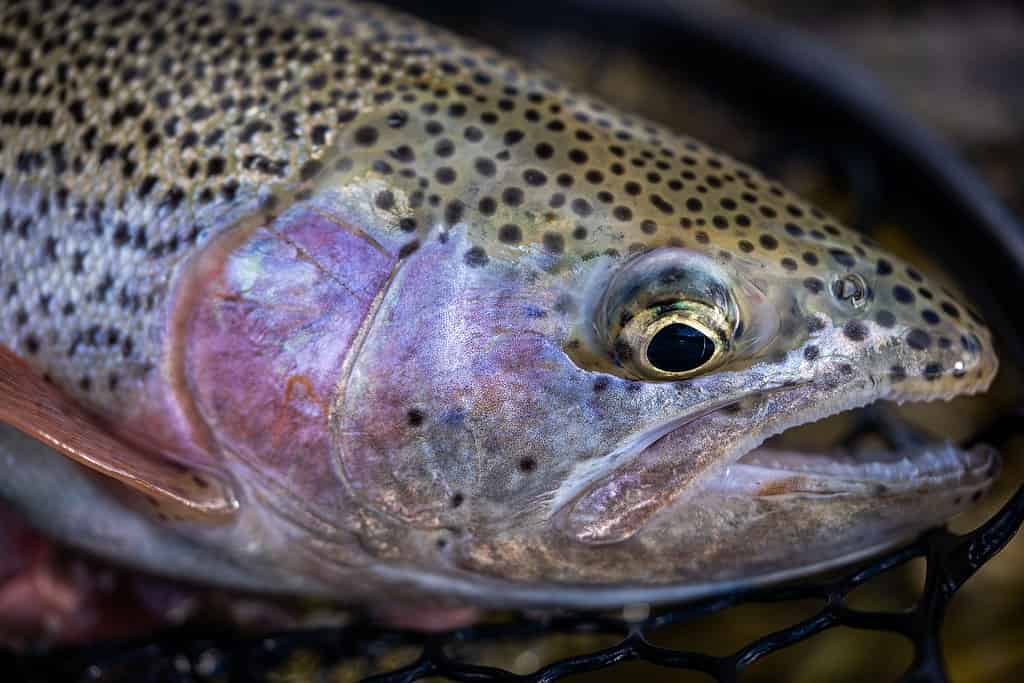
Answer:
x=477 y=351
x=581 y=369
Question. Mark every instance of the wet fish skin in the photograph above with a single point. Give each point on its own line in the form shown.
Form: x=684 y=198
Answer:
x=379 y=280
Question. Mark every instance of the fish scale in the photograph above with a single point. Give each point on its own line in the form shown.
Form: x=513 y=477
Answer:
x=359 y=271
x=127 y=132
x=130 y=131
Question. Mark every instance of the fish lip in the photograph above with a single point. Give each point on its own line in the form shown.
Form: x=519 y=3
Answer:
x=932 y=466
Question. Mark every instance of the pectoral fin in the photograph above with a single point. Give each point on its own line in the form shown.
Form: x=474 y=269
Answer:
x=37 y=408
x=620 y=504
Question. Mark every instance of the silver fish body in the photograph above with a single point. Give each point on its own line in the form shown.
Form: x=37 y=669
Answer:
x=374 y=312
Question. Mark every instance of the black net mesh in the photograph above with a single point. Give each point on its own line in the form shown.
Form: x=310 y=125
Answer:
x=602 y=641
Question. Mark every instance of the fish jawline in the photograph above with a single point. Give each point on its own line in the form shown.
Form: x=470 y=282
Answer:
x=924 y=466
x=932 y=466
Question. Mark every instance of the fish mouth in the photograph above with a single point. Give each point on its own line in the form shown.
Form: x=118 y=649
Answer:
x=769 y=471
x=882 y=455
x=739 y=438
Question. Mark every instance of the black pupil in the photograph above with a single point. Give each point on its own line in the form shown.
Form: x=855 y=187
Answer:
x=679 y=348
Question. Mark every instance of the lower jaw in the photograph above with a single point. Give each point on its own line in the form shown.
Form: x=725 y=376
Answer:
x=770 y=471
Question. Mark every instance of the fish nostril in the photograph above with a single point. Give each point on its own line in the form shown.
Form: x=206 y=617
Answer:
x=852 y=290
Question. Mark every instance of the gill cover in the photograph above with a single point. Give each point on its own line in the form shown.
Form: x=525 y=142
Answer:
x=266 y=318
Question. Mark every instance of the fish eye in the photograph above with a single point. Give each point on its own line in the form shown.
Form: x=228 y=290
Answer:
x=679 y=347
x=674 y=341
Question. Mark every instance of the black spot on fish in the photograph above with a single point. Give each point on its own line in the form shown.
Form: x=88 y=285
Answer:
x=475 y=257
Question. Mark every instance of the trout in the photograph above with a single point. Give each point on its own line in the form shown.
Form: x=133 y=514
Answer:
x=315 y=298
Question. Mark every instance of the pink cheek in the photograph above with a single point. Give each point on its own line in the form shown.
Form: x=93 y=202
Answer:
x=271 y=319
